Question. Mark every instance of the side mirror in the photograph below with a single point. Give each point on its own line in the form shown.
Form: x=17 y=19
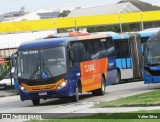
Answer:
x=14 y=55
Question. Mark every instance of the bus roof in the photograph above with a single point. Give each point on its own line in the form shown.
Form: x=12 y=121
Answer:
x=148 y=32
x=116 y=36
x=152 y=29
x=43 y=43
x=120 y=36
x=57 y=41
x=154 y=36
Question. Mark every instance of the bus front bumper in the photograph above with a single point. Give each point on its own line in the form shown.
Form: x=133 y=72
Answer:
x=44 y=94
x=151 y=79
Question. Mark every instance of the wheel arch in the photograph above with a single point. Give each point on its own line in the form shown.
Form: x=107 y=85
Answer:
x=118 y=70
x=103 y=75
x=79 y=85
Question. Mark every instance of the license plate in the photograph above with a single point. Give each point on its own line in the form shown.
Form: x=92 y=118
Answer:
x=43 y=93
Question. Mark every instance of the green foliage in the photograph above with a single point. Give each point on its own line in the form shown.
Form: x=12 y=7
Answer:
x=4 y=69
x=114 y=28
x=98 y=120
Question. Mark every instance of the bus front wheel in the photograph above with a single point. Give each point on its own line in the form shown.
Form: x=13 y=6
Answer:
x=36 y=102
x=75 y=98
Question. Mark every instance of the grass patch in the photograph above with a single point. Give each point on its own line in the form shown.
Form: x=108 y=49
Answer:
x=145 y=99
x=116 y=117
x=99 y=120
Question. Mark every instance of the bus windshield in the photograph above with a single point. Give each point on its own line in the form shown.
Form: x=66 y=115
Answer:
x=41 y=64
x=153 y=53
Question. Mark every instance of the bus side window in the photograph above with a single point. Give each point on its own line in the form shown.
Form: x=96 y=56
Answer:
x=96 y=46
x=79 y=52
x=89 y=49
x=110 y=45
x=125 y=48
x=103 y=47
x=117 y=48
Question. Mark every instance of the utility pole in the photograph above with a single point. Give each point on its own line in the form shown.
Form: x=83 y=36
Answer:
x=75 y=25
x=55 y=30
x=120 y=24
x=142 y=24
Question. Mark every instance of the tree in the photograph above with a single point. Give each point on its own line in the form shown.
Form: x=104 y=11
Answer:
x=114 y=28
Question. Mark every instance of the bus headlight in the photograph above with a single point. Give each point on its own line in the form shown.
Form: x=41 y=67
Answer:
x=23 y=89
x=61 y=85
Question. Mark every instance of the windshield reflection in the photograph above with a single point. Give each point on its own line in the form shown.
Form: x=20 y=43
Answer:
x=41 y=64
x=153 y=53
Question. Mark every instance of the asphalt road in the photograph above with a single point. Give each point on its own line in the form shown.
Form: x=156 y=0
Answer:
x=12 y=104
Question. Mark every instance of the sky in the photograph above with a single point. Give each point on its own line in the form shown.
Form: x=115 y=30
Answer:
x=32 y=5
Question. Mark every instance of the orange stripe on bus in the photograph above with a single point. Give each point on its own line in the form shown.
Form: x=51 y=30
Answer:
x=91 y=73
x=42 y=87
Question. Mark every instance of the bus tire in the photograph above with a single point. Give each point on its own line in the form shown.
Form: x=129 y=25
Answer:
x=118 y=79
x=101 y=91
x=36 y=102
x=75 y=98
x=94 y=93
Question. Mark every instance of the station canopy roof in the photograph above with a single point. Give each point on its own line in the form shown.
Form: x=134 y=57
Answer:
x=126 y=7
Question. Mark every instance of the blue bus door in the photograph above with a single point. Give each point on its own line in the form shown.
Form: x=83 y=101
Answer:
x=126 y=61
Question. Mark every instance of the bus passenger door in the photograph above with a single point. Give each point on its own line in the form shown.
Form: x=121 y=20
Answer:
x=123 y=58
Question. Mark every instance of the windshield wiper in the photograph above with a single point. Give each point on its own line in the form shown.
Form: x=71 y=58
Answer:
x=34 y=73
x=45 y=67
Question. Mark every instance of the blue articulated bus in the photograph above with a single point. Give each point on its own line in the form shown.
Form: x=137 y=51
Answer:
x=145 y=34
x=128 y=58
x=65 y=66
x=151 y=71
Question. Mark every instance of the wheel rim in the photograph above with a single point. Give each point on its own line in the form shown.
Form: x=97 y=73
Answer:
x=103 y=87
x=77 y=95
x=118 y=77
